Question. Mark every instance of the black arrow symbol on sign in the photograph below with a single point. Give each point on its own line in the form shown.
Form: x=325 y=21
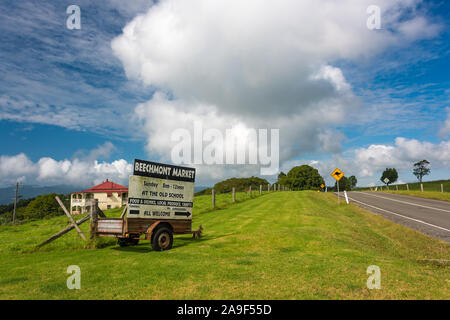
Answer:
x=182 y=213
x=337 y=174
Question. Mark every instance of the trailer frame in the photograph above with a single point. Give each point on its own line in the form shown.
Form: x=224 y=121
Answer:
x=129 y=231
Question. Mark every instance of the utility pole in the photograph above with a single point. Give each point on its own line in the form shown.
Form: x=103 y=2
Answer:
x=15 y=203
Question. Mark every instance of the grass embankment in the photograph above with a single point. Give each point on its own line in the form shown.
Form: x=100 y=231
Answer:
x=285 y=245
x=426 y=194
x=432 y=186
x=432 y=190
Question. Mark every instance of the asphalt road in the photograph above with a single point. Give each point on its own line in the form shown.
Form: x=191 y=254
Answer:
x=428 y=216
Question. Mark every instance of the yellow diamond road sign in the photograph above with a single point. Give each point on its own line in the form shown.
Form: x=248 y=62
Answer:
x=322 y=186
x=337 y=174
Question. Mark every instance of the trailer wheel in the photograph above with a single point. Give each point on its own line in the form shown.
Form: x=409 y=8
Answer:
x=123 y=242
x=133 y=242
x=162 y=239
x=126 y=242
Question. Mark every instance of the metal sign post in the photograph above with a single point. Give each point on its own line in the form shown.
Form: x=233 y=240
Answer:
x=337 y=174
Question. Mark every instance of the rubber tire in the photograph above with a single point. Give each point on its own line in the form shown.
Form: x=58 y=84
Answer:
x=126 y=242
x=123 y=242
x=134 y=242
x=160 y=232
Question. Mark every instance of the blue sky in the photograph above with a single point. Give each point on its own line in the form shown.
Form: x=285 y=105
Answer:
x=66 y=93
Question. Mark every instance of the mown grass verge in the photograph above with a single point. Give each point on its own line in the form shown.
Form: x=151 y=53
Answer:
x=426 y=194
x=285 y=245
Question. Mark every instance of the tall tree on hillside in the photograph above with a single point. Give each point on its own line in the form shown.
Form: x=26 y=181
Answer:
x=353 y=181
x=281 y=175
x=344 y=184
x=421 y=169
x=391 y=174
x=302 y=178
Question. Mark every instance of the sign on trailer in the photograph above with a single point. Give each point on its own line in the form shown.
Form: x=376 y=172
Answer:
x=160 y=191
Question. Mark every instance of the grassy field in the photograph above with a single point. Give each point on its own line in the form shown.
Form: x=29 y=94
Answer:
x=284 y=245
x=429 y=186
x=426 y=194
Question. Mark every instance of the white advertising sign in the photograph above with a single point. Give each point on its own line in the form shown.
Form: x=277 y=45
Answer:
x=159 y=191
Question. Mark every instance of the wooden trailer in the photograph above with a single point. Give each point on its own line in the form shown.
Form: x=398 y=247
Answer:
x=158 y=231
x=160 y=204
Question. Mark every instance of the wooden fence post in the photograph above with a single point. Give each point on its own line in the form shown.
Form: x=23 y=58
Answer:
x=442 y=187
x=260 y=189
x=234 y=194
x=64 y=231
x=396 y=187
x=407 y=187
x=70 y=218
x=213 y=194
x=268 y=187
x=94 y=220
x=421 y=187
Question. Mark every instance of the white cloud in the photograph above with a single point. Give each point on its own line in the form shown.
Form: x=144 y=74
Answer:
x=47 y=171
x=260 y=65
x=368 y=163
x=445 y=129
x=401 y=155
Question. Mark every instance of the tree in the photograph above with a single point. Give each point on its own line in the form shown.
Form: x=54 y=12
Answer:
x=391 y=174
x=353 y=181
x=281 y=175
x=302 y=178
x=421 y=169
x=240 y=184
x=44 y=206
x=344 y=184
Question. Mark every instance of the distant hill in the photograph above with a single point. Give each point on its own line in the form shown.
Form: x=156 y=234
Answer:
x=28 y=191
x=200 y=188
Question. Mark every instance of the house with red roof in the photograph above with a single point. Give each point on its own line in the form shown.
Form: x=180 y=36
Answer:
x=109 y=195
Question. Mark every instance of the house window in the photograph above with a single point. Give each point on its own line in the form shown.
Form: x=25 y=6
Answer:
x=108 y=206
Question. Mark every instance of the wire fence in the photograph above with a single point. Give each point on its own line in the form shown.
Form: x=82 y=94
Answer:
x=437 y=186
x=25 y=235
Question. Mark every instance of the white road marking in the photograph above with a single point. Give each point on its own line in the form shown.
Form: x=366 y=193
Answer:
x=410 y=203
x=419 y=221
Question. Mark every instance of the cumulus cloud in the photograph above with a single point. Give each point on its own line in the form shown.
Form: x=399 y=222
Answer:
x=445 y=129
x=270 y=65
x=401 y=155
x=48 y=171
x=369 y=162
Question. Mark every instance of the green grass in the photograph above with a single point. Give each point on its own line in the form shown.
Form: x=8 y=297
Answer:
x=426 y=194
x=284 y=245
x=429 y=186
